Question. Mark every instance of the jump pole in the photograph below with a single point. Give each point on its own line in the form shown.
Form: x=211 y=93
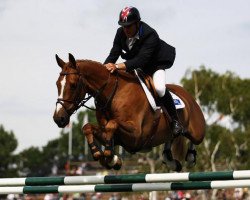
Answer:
x=129 y=178
x=137 y=187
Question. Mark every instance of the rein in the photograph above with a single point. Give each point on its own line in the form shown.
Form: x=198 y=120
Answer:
x=109 y=99
x=81 y=103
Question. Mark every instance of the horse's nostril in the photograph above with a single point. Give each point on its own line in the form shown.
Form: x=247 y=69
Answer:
x=62 y=119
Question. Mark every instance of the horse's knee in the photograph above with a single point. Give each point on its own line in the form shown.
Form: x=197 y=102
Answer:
x=87 y=129
x=111 y=125
x=110 y=128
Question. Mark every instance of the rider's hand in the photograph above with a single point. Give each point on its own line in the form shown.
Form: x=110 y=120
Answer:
x=111 y=67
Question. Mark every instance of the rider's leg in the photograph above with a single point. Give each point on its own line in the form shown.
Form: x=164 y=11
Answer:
x=159 y=78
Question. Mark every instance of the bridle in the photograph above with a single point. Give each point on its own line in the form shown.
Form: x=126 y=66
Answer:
x=76 y=101
x=81 y=85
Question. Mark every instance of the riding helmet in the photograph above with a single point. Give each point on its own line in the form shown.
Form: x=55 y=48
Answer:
x=129 y=15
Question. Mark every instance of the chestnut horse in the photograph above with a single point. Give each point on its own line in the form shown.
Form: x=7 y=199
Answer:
x=124 y=114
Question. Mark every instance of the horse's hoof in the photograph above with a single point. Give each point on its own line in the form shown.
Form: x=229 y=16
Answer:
x=174 y=165
x=115 y=162
x=104 y=163
x=191 y=158
x=97 y=155
x=190 y=164
x=168 y=160
x=118 y=164
x=108 y=153
x=178 y=167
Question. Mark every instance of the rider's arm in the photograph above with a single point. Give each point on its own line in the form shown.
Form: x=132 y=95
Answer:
x=112 y=67
x=121 y=66
x=116 y=49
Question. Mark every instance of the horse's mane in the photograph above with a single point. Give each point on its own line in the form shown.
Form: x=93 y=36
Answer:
x=124 y=75
x=90 y=62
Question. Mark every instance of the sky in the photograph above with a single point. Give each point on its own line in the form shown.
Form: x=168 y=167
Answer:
x=204 y=32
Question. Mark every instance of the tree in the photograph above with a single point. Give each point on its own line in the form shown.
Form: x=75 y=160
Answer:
x=32 y=162
x=8 y=144
x=226 y=94
x=236 y=98
x=221 y=96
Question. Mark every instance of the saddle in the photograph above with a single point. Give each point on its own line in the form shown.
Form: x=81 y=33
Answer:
x=147 y=84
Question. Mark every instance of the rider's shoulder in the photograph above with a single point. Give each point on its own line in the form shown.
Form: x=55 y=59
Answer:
x=120 y=31
x=146 y=30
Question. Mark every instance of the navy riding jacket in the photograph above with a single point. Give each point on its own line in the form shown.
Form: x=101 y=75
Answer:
x=149 y=53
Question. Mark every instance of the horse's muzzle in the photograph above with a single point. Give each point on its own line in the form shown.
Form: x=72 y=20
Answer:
x=61 y=120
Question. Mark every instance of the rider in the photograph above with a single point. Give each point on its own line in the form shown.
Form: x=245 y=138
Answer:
x=139 y=44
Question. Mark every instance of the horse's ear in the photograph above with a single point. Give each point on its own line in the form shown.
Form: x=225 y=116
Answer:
x=72 y=60
x=59 y=61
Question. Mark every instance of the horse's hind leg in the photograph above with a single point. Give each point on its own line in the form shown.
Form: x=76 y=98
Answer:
x=168 y=159
x=191 y=155
x=195 y=134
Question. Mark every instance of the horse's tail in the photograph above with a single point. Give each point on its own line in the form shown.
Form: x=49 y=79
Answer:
x=179 y=148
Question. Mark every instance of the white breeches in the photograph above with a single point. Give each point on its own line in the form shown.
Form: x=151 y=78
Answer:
x=159 y=78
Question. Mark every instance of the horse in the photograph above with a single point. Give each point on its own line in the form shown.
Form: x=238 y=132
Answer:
x=124 y=115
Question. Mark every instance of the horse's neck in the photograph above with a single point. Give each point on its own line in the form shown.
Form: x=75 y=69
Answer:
x=98 y=76
x=95 y=74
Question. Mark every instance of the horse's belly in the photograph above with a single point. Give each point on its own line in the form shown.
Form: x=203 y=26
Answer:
x=130 y=144
x=148 y=138
x=161 y=134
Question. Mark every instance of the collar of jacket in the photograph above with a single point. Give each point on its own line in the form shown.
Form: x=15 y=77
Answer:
x=140 y=30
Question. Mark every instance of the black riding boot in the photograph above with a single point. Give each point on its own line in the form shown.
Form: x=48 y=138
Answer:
x=168 y=103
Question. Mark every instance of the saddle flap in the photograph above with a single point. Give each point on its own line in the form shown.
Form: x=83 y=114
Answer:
x=148 y=81
x=152 y=96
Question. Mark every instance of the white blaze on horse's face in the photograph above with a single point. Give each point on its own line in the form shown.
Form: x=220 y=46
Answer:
x=63 y=83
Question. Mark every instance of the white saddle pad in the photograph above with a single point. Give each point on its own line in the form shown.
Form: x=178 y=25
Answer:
x=179 y=104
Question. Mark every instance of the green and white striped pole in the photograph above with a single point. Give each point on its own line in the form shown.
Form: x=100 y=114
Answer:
x=137 y=187
x=129 y=178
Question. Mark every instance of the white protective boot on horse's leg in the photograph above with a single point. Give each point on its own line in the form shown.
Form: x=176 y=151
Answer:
x=115 y=163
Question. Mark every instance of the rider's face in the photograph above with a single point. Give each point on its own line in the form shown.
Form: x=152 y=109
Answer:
x=130 y=30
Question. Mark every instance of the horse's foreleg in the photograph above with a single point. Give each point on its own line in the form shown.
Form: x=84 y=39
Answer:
x=89 y=130
x=110 y=128
x=110 y=159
